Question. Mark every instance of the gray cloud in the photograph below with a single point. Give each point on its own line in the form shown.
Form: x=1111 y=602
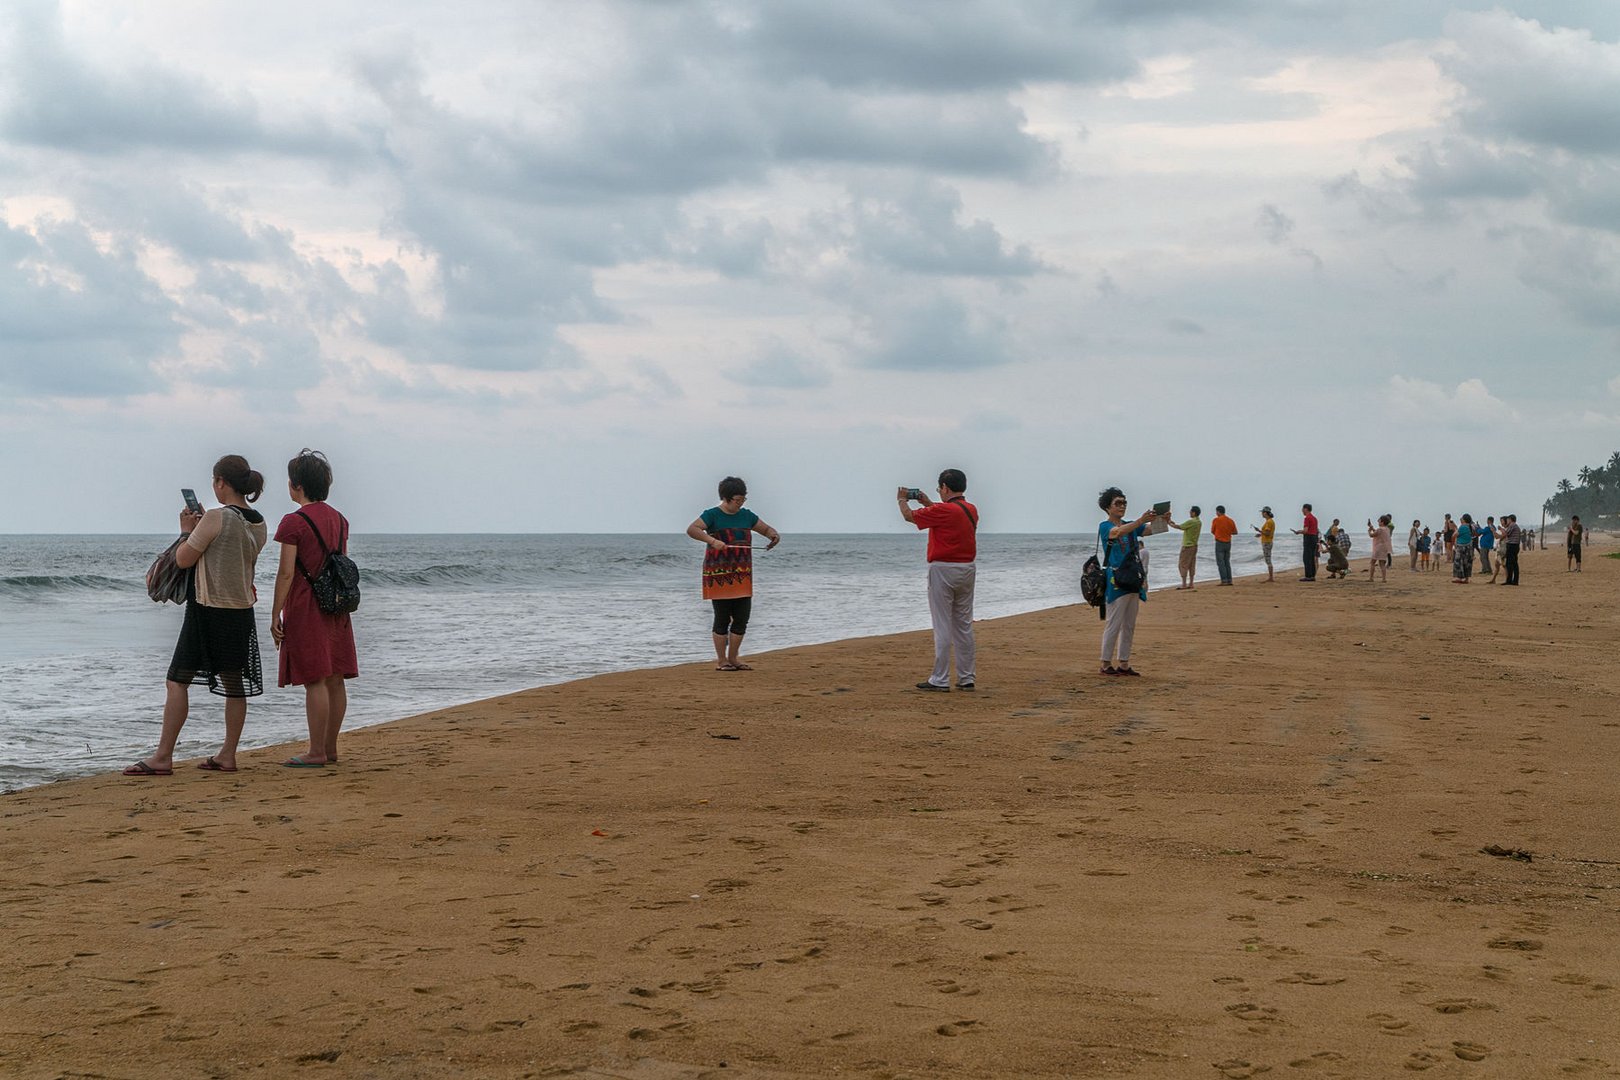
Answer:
x=1581 y=271
x=971 y=45
x=778 y=367
x=919 y=229
x=1458 y=168
x=79 y=321
x=49 y=97
x=1544 y=86
x=1274 y=225
x=941 y=334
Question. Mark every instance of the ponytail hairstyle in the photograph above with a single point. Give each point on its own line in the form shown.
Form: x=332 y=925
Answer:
x=312 y=473
x=244 y=479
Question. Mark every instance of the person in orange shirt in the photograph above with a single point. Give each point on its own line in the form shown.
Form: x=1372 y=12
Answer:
x=1223 y=529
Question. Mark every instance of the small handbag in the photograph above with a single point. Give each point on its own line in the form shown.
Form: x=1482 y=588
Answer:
x=166 y=581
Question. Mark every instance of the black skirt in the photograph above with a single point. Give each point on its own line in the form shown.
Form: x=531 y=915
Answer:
x=219 y=648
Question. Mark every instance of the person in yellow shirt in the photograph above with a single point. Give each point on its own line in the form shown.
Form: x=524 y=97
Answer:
x=1267 y=532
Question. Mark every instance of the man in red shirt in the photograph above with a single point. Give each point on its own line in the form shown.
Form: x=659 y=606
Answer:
x=1223 y=529
x=1309 y=533
x=953 y=526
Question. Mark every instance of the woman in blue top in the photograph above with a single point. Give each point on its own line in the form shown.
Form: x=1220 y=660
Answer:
x=1118 y=538
x=1462 y=556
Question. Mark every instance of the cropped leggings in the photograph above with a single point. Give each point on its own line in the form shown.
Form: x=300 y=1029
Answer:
x=731 y=616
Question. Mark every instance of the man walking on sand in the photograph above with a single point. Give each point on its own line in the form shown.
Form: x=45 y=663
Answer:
x=1223 y=529
x=1309 y=532
x=953 y=526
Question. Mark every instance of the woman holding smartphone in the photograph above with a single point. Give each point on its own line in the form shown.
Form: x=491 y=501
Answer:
x=219 y=645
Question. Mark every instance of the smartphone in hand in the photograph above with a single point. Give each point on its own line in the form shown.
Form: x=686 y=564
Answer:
x=191 y=500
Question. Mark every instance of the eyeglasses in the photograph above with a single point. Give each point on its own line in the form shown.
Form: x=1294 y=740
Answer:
x=1117 y=502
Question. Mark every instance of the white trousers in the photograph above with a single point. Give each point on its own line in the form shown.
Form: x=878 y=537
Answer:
x=1120 y=628
x=950 y=606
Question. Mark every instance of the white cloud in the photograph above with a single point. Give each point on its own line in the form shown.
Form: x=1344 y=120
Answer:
x=1470 y=404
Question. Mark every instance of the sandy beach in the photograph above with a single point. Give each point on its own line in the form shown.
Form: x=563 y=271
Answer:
x=1268 y=855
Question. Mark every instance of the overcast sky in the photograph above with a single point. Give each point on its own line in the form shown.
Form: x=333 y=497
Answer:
x=559 y=267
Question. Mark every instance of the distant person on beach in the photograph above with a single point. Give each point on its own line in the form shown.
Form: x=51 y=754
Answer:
x=953 y=528
x=1425 y=544
x=1121 y=539
x=1308 y=531
x=219 y=644
x=1187 y=562
x=1267 y=532
x=1574 y=538
x=1412 y=542
x=1499 y=539
x=1485 y=540
x=728 y=568
x=1510 y=549
x=1448 y=532
x=1462 y=552
x=317 y=649
x=1336 y=548
x=1223 y=528
x=1382 y=546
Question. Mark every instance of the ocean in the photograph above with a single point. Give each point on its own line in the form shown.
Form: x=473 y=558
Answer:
x=447 y=619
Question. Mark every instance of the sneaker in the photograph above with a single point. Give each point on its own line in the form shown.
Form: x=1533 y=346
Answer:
x=935 y=689
x=964 y=686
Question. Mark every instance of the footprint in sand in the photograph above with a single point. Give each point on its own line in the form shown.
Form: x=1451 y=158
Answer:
x=1252 y=1013
x=1451 y=1006
x=1391 y=1025
x=955 y=1028
x=1322 y=1057
x=1306 y=978
x=1470 y=1051
x=978 y=924
x=1421 y=1060
x=1238 y=1069
x=951 y=986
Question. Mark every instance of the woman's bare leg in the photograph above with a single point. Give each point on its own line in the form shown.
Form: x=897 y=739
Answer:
x=235 y=720
x=317 y=707
x=337 y=704
x=176 y=706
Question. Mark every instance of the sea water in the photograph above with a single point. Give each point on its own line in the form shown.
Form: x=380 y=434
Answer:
x=447 y=619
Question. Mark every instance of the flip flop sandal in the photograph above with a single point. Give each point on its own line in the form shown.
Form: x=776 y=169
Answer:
x=213 y=766
x=141 y=768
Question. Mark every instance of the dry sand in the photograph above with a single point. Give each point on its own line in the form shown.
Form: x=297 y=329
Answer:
x=1264 y=856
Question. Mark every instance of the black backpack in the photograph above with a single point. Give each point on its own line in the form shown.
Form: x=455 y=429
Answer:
x=1094 y=581
x=336 y=584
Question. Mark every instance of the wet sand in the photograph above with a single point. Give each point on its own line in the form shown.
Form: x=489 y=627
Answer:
x=1264 y=856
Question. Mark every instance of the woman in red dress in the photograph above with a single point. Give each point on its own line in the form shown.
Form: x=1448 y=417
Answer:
x=317 y=649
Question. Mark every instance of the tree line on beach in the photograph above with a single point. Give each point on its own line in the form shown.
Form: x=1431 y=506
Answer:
x=1595 y=495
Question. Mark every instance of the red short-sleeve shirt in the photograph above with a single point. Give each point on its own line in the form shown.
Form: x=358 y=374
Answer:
x=952 y=532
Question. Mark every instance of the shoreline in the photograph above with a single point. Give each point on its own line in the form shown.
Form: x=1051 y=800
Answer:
x=1265 y=853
